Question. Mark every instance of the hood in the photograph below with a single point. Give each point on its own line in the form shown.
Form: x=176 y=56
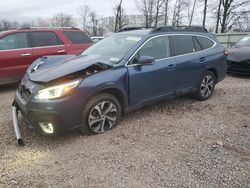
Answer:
x=49 y=68
x=239 y=53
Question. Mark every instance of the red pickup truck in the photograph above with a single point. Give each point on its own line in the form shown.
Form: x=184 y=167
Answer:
x=19 y=48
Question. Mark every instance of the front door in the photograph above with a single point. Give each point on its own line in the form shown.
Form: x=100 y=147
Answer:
x=148 y=82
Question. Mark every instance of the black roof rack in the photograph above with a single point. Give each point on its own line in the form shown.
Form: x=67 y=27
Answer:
x=179 y=29
x=73 y=28
x=133 y=28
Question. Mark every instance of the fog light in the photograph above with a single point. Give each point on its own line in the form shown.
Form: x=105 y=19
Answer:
x=47 y=127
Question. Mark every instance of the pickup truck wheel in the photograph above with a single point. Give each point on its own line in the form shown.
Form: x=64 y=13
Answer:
x=101 y=114
x=206 y=86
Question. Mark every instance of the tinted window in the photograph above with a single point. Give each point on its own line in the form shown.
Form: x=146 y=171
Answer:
x=44 y=39
x=204 y=42
x=157 y=48
x=196 y=45
x=77 y=37
x=183 y=44
x=14 y=41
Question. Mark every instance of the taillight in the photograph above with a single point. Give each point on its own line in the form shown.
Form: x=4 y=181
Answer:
x=226 y=52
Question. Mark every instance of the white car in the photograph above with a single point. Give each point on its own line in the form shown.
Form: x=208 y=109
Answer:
x=97 y=39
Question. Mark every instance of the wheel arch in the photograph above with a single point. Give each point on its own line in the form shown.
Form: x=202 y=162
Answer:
x=213 y=70
x=119 y=95
x=116 y=92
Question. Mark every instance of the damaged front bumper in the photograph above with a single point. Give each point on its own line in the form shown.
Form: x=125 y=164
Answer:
x=57 y=116
x=16 y=126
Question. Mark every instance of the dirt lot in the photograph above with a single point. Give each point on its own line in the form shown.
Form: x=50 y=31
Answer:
x=178 y=143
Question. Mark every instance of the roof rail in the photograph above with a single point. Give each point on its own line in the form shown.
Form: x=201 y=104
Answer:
x=24 y=28
x=179 y=29
x=133 y=28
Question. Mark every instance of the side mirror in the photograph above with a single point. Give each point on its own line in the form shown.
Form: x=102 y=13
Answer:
x=146 y=60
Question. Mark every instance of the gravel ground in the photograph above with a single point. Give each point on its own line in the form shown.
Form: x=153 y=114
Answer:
x=178 y=143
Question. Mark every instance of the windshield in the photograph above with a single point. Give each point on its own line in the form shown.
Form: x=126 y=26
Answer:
x=244 y=41
x=113 y=47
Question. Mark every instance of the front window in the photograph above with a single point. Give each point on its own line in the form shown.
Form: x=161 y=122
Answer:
x=14 y=41
x=244 y=41
x=113 y=47
x=158 y=48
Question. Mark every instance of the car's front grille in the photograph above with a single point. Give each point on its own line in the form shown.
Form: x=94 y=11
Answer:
x=239 y=65
x=24 y=92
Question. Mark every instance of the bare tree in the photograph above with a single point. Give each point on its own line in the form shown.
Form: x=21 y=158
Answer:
x=119 y=13
x=243 y=24
x=146 y=7
x=5 y=25
x=204 y=13
x=62 y=20
x=230 y=15
x=15 y=25
x=218 y=15
x=179 y=9
x=94 y=21
x=192 y=13
x=108 y=23
x=166 y=12
x=83 y=12
x=158 y=5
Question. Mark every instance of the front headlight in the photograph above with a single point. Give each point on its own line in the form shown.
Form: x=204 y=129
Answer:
x=57 y=91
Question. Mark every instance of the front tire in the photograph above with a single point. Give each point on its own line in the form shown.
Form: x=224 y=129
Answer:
x=206 y=86
x=101 y=114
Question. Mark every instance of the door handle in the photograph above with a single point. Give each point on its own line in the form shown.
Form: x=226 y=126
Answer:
x=202 y=59
x=61 y=51
x=26 y=54
x=171 y=67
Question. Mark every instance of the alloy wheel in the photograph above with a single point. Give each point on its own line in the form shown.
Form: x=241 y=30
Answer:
x=207 y=86
x=102 y=117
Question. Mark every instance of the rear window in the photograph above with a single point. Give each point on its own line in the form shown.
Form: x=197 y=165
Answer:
x=204 y=42
x=77 y=37
x=183 y=44
x=45 y=39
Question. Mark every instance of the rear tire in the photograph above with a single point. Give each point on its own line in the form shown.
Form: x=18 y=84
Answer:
x=206 y=86
x=101 y=114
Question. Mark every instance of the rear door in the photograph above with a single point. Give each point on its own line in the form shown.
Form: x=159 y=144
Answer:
x=46 y=43
x=15 y=56
x=189 y=63
x=78 y=41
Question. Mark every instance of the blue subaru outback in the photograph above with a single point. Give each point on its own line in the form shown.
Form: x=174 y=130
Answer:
x=123 y=72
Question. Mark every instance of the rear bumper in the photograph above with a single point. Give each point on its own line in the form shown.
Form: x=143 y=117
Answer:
x=239 y=67
x=238 y=71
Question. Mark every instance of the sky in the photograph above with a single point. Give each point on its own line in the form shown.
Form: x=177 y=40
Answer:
x=26 y=10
